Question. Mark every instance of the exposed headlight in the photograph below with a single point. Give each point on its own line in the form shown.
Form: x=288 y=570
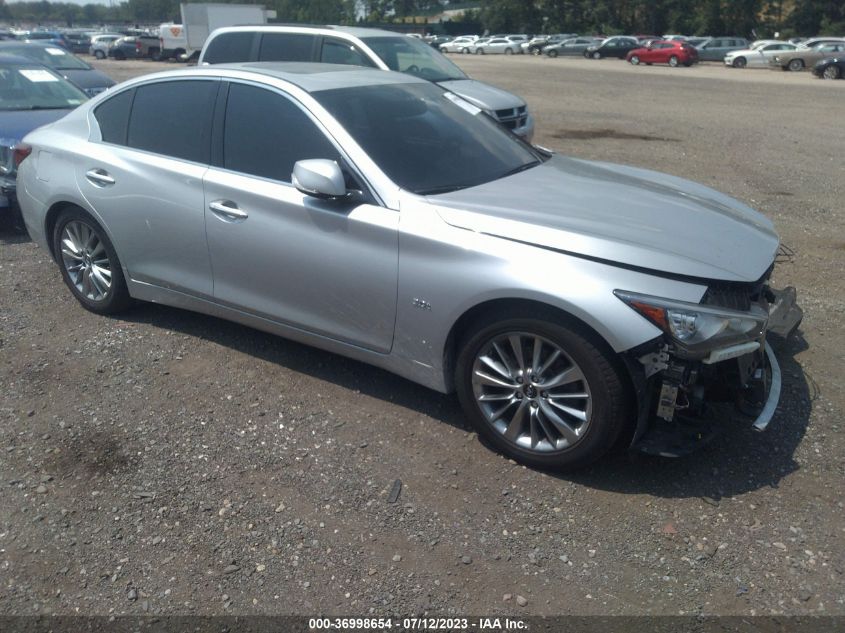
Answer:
x=697 y=328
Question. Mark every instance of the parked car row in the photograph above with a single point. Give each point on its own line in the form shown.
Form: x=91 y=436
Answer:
x=821 y=54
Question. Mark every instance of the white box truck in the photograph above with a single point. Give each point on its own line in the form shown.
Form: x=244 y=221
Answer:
x=172 y=42
x=200 y=19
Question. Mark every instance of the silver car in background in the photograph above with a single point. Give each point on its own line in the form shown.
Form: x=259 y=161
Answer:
x=373 y=214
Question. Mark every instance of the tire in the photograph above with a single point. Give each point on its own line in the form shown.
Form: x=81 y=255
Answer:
x=537 y=427
x=795 y=65
x=552 y=53
x=596 y=55
x=508 y=51
x=673 y=61
x=832 y=72
x=99 y=54
x=154 y=54
x=82 y=246
x=479 y=51
x=740 y=62
x=635 y=59
x=465 y=51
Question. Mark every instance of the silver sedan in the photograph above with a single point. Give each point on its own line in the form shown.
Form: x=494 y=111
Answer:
x=569 y=303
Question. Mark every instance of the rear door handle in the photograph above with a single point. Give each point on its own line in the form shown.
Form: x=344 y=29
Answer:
x=99 y=177
x=228 y=210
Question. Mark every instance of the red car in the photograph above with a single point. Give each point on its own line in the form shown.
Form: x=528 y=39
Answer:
x=669 y=52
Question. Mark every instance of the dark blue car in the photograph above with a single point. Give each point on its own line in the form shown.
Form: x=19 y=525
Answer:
x=69 y=66
x=31 y=95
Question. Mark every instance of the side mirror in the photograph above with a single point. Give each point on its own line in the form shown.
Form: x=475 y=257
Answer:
x=319 y=177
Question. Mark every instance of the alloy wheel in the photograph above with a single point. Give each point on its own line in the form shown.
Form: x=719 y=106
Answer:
x=532 y=392
x=86 y=261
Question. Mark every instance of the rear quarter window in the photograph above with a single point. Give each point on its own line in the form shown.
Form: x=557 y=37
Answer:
x=113 y=117
x=229 y=48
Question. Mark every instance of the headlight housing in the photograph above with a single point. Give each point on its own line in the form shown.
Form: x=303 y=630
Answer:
x=698 y=329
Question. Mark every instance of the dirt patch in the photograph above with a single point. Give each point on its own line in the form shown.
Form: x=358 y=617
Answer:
x=610 y=133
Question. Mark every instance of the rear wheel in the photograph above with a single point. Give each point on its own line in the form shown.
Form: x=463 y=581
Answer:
x=635 y=59
x=551 y=53
x=508 y=51
x=89 y=263
x=478 y=51
x=795 y=65
x=546 y=394
x=832 y=72
x=99 y=54
x=673 y=61
x=740 y=62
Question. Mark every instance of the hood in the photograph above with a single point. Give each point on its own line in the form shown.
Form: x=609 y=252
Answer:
x=483 y=95
x=16 y=124
x=634 y=217
x=87 y=78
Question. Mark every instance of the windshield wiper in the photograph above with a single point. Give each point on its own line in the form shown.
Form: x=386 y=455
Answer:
x=441 y=189
x=42 y=107
x=516 y=170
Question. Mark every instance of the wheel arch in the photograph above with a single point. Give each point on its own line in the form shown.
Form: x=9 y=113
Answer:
x=528 y=307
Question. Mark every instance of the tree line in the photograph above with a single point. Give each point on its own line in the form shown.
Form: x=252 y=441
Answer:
x=705 y=17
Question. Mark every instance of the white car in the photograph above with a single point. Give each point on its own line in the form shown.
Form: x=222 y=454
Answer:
x=497 y=46
x=758 y=57
x=100 y=44
x=459 y=44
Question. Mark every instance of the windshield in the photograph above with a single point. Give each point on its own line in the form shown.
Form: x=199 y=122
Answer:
x=410 y=55
x=51 y=56
x=36 y=88
x=425 y=139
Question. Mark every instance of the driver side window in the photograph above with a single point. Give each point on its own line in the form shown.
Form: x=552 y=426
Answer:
x=266 y=133
x=337 y=51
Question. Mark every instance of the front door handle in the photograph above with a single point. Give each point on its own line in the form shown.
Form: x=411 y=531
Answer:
x=99 y=177
x=228 y=210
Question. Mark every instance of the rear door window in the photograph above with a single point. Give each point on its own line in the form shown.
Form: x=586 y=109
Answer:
x=286 y=47
x=185 y=131
x=230 y=48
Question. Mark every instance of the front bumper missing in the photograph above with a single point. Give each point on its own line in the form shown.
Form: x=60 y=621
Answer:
x=686 y=403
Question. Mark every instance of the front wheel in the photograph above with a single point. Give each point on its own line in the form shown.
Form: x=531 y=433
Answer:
x=634 y=60
x=89 y=263
x=596 y=55
x=546 y=394
x=831 y=72
x=99 y=54
x=465 y=51
x=795 y=65
x=551 y=53
x=673 y=61
x=740 y=62
x=508 y=51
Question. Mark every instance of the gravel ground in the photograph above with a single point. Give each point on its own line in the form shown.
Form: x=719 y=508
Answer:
x=167 y=462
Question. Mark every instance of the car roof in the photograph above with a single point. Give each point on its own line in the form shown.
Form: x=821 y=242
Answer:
x=354 y=31
x=309 y=76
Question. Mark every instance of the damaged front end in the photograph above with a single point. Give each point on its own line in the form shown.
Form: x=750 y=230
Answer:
x=711 y=367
